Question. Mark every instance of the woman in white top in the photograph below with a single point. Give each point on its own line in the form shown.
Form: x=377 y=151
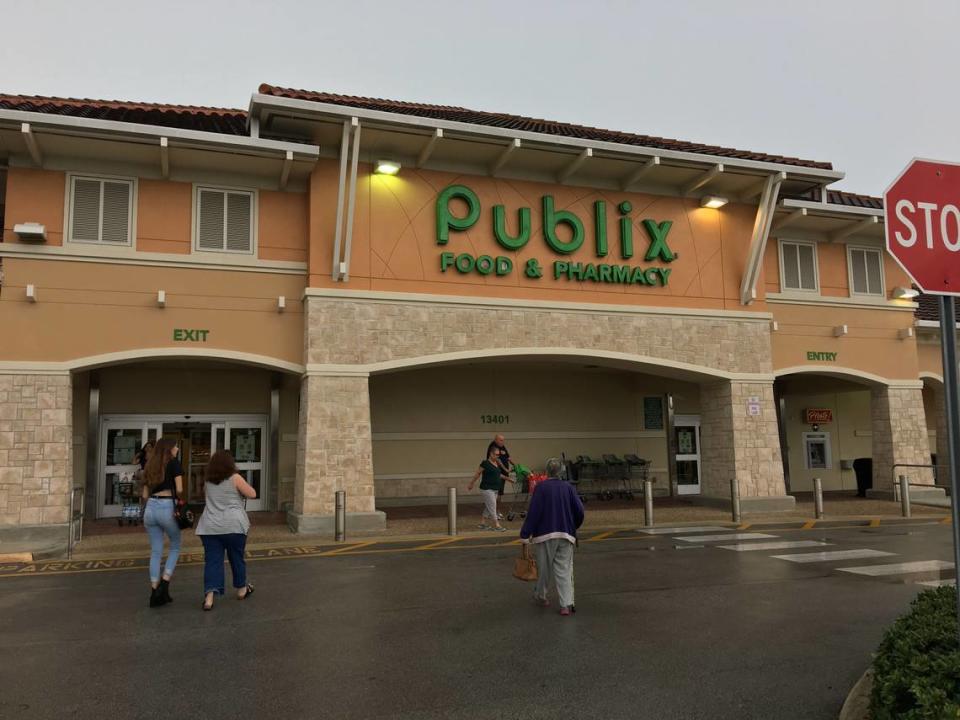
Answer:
x=223 y=527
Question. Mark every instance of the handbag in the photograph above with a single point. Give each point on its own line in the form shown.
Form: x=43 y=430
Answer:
x=525 y=567
x=181 y=513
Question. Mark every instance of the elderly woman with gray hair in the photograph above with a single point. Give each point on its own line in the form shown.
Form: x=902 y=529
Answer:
x=554 y=515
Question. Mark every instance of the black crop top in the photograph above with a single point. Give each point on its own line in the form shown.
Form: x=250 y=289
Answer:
x=173 y=469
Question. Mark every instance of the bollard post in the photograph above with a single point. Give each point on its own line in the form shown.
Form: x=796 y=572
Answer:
x=735 y=499
x=904 y=496
x=648 y=503
x=818 y=498
x=341 y=516
x=451 y=511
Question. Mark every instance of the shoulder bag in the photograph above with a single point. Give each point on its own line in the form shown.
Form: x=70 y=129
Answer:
x=525 y=567
x=181 y=513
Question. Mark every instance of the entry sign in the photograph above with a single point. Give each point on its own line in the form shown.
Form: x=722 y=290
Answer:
x=922 y=216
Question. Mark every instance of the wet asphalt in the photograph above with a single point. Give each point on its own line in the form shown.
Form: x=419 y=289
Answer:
x=663 y=629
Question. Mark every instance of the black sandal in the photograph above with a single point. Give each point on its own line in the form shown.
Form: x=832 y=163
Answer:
x=247 y=594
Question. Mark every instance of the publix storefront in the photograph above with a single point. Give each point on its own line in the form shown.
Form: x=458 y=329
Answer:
x=416 y=279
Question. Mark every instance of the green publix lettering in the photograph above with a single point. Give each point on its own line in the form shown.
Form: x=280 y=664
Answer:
x=657 y=232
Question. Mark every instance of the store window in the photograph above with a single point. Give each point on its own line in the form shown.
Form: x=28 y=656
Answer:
x=798 y=266
x=101 y=210
x=224 y=220
x=866 y=271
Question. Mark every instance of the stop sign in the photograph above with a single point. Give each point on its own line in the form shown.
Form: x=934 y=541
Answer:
x=921 y=211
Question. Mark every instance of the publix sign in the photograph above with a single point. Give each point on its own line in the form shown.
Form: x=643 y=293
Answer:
x=629 y=265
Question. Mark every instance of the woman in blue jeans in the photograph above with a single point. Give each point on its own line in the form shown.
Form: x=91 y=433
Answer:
x=223 y=527
x=163 y=483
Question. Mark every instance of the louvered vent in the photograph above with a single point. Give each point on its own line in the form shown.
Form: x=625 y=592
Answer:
x=210 y=227
x=86 y=210
x=100 y=211
x=116 y=212
x=238 y=222
x=225 y=220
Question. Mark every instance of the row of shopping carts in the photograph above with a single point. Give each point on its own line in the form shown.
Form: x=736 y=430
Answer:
x=608 y=477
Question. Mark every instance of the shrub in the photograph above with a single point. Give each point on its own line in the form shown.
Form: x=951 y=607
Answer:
x=917 y=666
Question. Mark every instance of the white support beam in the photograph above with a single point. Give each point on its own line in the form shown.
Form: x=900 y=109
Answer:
x=853 y=229
x=705 y=179
x=789 y=219
x=757 y=188
x=165 y=157
x=31 y=140
x=285 y=170
x=640 y=173
x=351 y=203
x=758 y=242
x=338 y=231
x=504 y=156
x=574 y=165
x=428 y=148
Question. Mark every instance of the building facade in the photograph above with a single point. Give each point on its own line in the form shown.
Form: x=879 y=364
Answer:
x=356 y=294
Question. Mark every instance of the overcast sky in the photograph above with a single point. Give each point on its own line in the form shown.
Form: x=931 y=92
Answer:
x=865 y=84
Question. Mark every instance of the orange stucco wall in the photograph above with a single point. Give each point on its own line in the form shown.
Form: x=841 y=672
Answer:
x=282 y=227
x=35 y=196
x=164 y=212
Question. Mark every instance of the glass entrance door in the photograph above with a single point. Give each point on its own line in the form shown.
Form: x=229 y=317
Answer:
x=245 y=441
x=121 y=440
x=686 y=434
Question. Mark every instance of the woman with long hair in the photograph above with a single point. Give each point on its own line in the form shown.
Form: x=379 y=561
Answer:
x=163 y=483
x=223 y=527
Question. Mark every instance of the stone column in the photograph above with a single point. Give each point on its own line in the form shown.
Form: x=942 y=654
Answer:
x=334 y=452
x=940 y=408
x=734 y=443
x=899 y=435
x=36 y=461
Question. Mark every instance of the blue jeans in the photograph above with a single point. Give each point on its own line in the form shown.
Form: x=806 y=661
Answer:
x=213 y=549
x=159 y=521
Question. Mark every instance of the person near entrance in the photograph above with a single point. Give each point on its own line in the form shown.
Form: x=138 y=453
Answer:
x=163 y=483
x=553 y=518
x=503 y=459
x=223 y=527
x=490 y=486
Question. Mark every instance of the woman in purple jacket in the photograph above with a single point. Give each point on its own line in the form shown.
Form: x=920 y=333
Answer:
x=554 y=515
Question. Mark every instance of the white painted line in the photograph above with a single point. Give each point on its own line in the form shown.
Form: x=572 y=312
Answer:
x=782 y=545
x=831 y=555
x=682 y=530
x=917 y=566
x=938 y=583
x=721 y=538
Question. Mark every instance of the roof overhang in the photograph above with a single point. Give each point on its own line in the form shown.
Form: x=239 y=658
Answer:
x=486 y=150
x=827 y=222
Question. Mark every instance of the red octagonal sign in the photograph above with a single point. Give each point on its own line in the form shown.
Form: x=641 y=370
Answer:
x=922 y=216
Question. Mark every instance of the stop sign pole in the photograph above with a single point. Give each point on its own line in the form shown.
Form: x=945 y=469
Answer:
x=922 y=223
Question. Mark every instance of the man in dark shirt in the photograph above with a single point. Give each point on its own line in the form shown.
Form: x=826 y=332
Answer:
x=503 y=455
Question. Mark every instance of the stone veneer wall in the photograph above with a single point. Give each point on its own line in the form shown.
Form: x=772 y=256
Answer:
x=899 y=435
x=360 y=331
x=734 y=443
x=36 y=445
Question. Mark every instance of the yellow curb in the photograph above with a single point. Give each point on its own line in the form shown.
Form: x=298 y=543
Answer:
x=875 y=522
x=601 y=536
x=946 y=521
x=348 y=548
x=439 y=543
x=808 y=525
x=21 y=557
x=744 y=526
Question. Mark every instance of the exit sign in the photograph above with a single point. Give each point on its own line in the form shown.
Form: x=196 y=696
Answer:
x=188 y=335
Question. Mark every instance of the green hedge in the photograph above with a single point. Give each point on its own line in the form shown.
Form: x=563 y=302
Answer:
x=917 y=667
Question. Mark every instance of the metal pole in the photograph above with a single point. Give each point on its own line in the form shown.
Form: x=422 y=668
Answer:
x=341 y=516
x=73 y=494
x=818 y=498
x=83 y=510
x=948 y=343
x=648 y=503
x=735 y=499
x=905 y=496
x=451 y=511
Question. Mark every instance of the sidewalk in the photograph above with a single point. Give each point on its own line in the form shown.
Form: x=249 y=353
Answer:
x=105 y=539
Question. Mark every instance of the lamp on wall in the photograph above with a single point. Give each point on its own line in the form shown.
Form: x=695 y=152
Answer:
x=30 y=232
x=905 y=293
x=386 y=167
x=712 y=201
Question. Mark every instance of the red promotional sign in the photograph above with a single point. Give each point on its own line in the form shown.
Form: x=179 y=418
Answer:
x=818 y=416
x=922 y=216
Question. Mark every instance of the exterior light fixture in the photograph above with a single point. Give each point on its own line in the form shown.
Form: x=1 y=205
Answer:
x=31 y=293
x=386 y=167
x=281 y=303
x=903 y=293
x=713 y=202
x=30 y=231
x=161 y=298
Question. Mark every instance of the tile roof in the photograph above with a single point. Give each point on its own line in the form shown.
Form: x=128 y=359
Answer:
x=838 y=197
x=526 y=124
x=928 y=307
x=185 y=117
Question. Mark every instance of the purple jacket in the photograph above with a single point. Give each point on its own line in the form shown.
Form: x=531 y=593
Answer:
x=555 y=512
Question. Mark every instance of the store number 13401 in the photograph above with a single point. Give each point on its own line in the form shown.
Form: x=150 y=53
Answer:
x=495 y=419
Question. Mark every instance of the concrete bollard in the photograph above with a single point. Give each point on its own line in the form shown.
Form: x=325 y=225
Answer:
x=818 y=498
x=340 y=533
x=648 y=503
x=451 y=511
x=735 y=499
x=905 y=496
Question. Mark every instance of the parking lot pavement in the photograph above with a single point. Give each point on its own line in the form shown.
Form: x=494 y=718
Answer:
x=677 y=624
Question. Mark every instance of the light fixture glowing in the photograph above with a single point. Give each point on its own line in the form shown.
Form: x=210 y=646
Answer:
x=713 y=202
x=903 y=293
x=387 y=167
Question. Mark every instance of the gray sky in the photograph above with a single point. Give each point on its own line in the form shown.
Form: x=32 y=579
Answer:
x=866 y=84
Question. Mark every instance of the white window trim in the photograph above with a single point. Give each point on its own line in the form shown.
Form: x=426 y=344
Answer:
x=816 y=267
x=131 y=216
x=254 y=218
x=883 y=280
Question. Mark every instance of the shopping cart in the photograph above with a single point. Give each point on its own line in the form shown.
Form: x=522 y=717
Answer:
x=521 y=475
x=125 y=491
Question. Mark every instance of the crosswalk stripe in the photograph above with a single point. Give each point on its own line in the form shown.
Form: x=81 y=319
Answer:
x=832 y=555
x=682 y=530
x=731 y=536
x=903 y=568
x=781 y=545
x=938 y=583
